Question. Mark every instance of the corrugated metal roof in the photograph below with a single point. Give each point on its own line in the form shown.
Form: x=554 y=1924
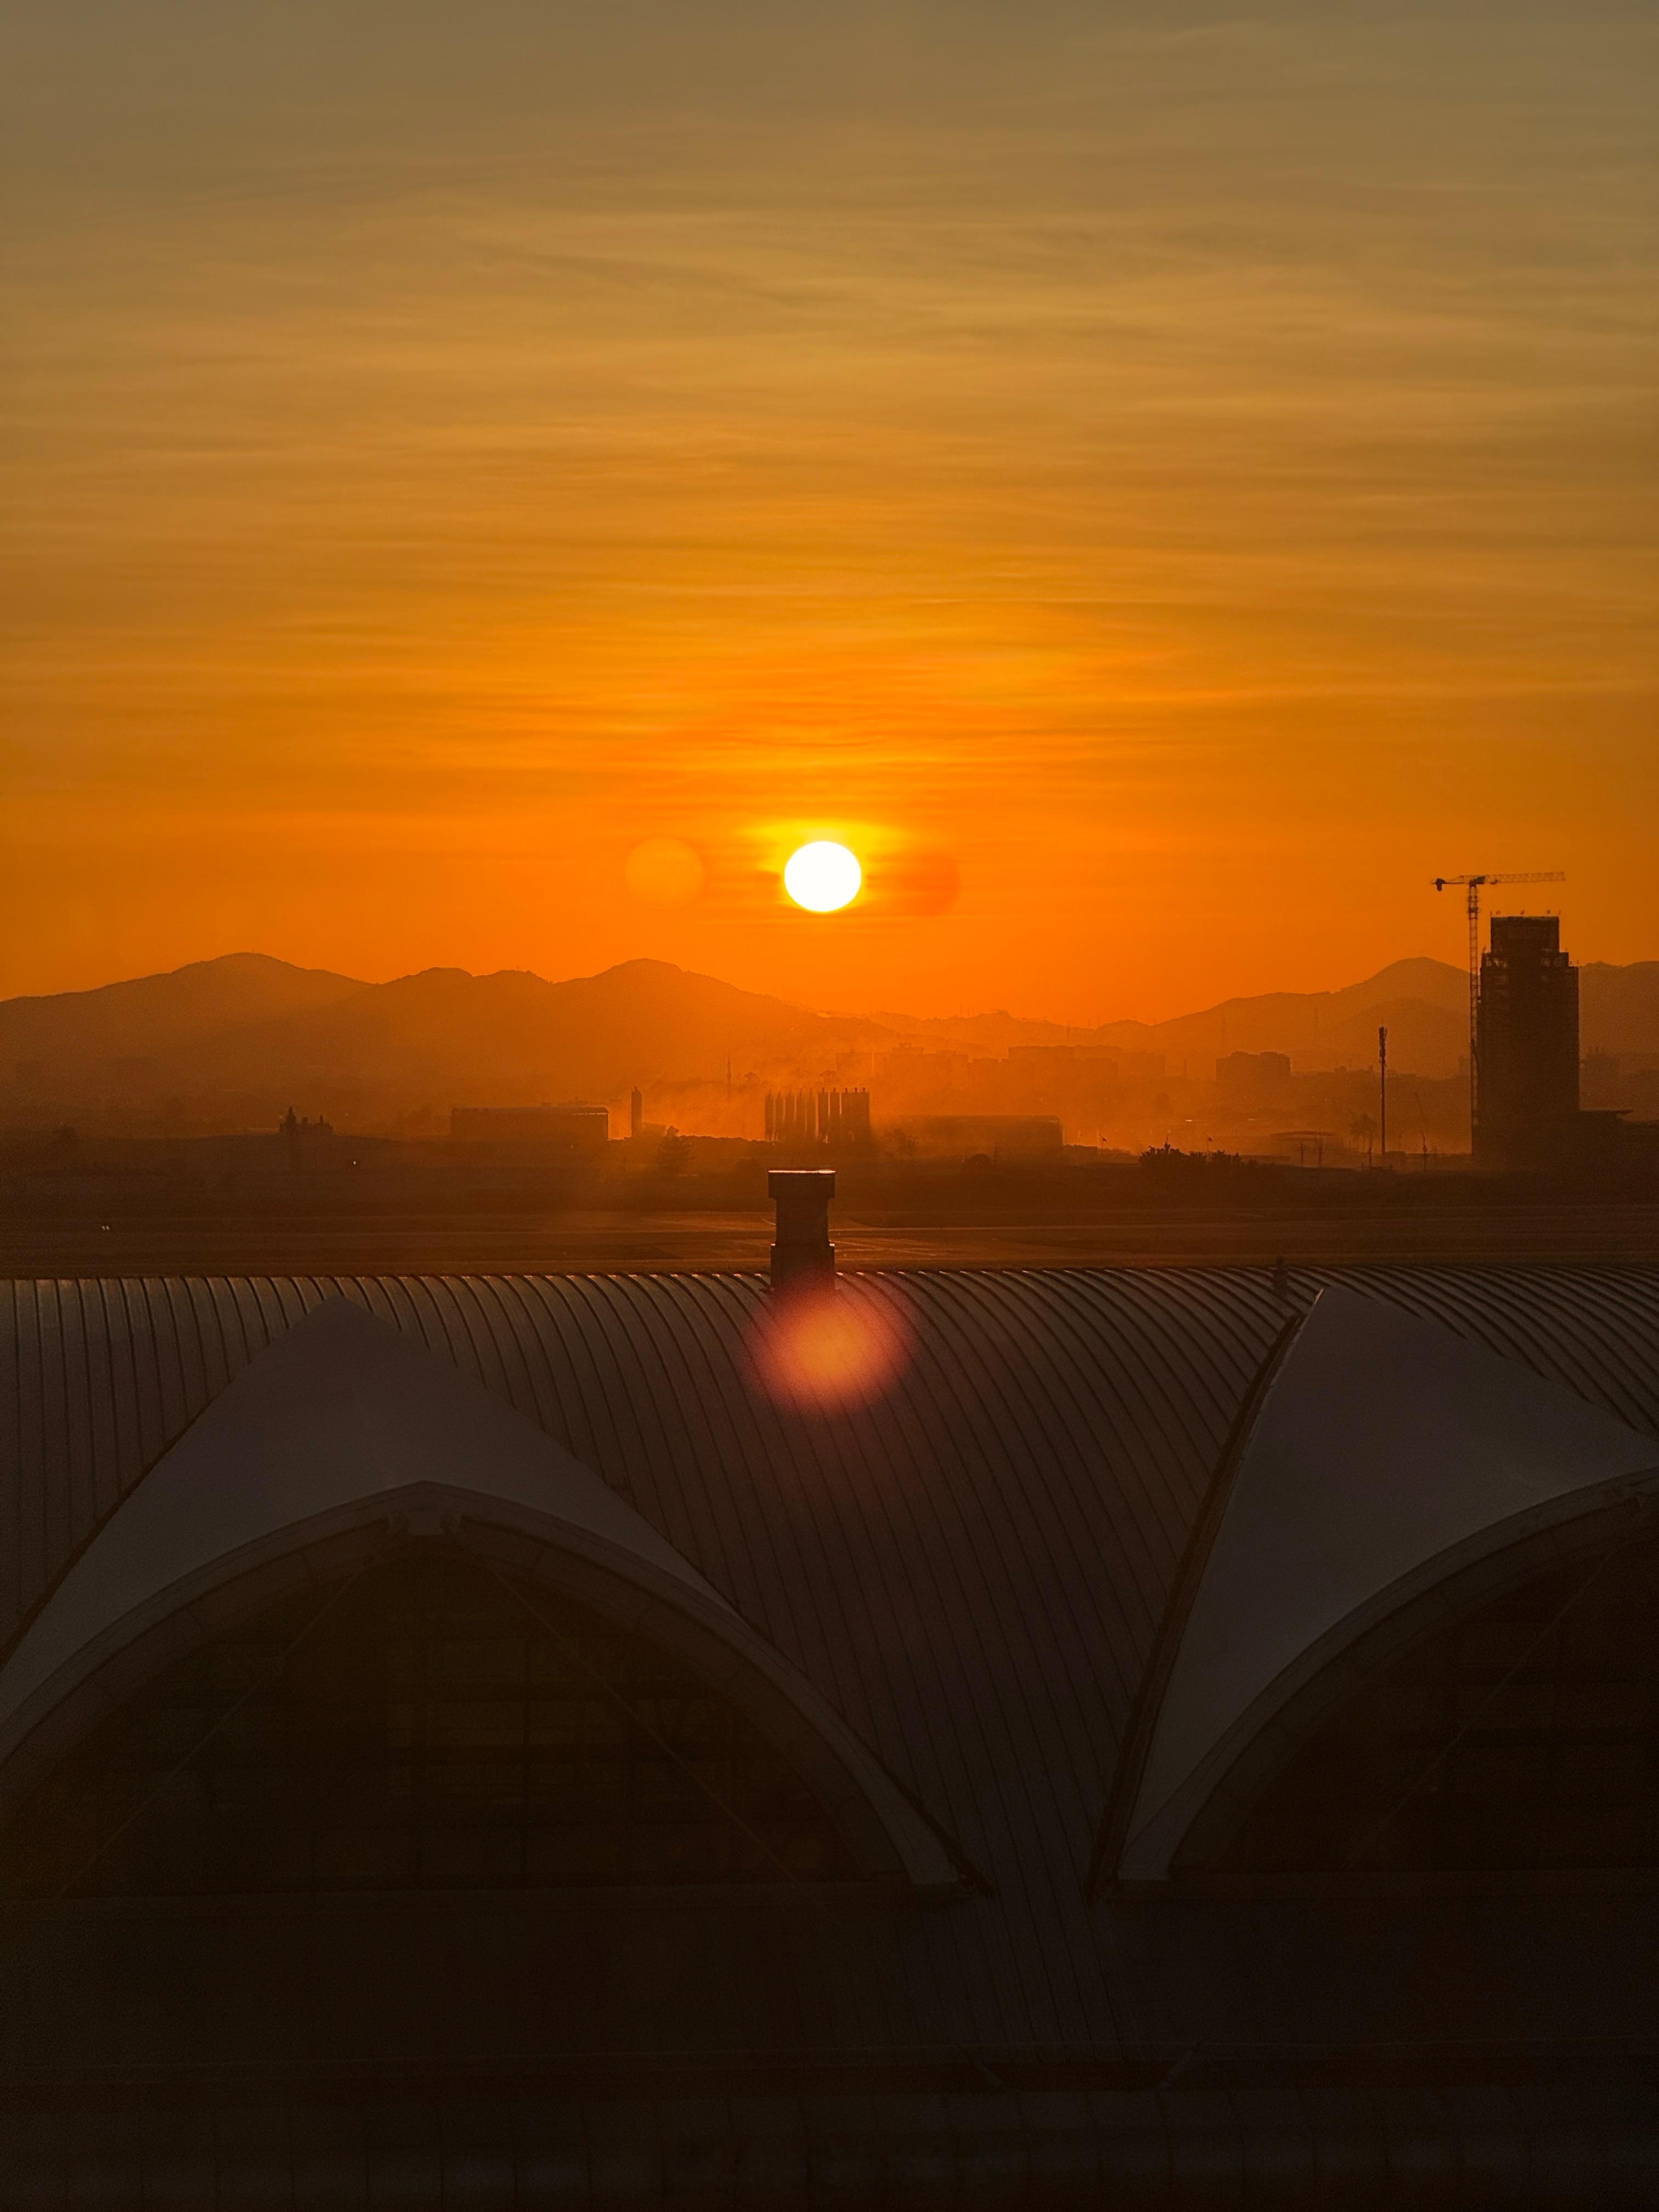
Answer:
x=971 y=1567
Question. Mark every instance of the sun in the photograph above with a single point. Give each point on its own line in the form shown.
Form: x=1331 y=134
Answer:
x=823 y=876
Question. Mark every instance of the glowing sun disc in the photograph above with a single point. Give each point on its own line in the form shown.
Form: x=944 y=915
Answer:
x=823 y=876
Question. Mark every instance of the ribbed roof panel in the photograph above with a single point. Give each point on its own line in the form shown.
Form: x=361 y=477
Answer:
x=971 y=1567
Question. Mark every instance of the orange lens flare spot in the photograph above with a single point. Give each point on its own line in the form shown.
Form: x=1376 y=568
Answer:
x=665 y=871
x=823 y=1349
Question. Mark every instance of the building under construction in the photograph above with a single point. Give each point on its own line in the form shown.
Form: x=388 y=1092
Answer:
x=1527 y=1041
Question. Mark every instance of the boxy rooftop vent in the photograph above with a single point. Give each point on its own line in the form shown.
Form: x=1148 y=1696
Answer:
x=803 y=1254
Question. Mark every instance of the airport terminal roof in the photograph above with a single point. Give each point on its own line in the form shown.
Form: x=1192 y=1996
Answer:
x=972 y=1564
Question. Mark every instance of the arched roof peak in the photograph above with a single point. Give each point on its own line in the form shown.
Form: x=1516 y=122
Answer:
x=1387 y=1453
x=344 y=1420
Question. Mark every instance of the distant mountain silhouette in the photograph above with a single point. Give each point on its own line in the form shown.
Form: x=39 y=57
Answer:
x=1618 y=1007
x=1425 y=1003
x=251 y=1034
x=472 y=1039
x=160 y=1015
x=258 y=1033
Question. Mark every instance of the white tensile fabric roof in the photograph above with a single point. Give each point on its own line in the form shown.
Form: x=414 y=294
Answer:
x=344 y=1418
x=1387 y=1452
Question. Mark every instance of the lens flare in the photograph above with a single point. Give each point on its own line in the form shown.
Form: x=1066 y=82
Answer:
x=823 y=1349
x=823 y=876
x=664 y=872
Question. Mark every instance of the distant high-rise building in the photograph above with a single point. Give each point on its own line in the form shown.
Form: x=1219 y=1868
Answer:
x=1526 y=1038
x=636 y=1112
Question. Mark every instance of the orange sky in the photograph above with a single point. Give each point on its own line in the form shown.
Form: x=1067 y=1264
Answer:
x=1186 y=475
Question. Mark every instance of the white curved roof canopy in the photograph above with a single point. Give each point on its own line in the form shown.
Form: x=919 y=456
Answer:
x=342 y=1421
x=1387 y=1454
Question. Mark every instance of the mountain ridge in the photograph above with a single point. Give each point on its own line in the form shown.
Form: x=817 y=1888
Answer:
x=255 y=1029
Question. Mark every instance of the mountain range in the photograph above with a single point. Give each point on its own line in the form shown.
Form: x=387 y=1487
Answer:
x=1425 y=1003
x=253 y=1033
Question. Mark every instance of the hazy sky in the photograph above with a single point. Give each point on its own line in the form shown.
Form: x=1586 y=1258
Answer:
x=1189 y=473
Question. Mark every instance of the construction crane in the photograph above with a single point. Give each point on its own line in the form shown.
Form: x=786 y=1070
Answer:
x=1472 y=884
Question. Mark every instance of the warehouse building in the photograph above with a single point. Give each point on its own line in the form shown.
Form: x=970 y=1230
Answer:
x=1161 y=1737
x=573 y=1128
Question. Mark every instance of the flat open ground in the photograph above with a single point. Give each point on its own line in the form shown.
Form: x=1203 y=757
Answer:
x=579 y=1243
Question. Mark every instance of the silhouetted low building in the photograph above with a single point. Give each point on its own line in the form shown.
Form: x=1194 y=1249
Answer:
x=1253 y=1079
x=569 y=1128
x=964 y=1136
x=1066 y=1063
x=306 y=1143
x=1072 y=1737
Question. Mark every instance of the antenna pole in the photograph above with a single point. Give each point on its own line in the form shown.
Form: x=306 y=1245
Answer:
x=1382 y=1084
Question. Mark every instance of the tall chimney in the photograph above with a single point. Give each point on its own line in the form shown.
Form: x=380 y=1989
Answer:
x=803 y=1253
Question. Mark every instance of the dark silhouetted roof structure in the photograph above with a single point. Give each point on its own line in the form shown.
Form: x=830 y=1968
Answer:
x=1064 y=1563
x=1387 y=1454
